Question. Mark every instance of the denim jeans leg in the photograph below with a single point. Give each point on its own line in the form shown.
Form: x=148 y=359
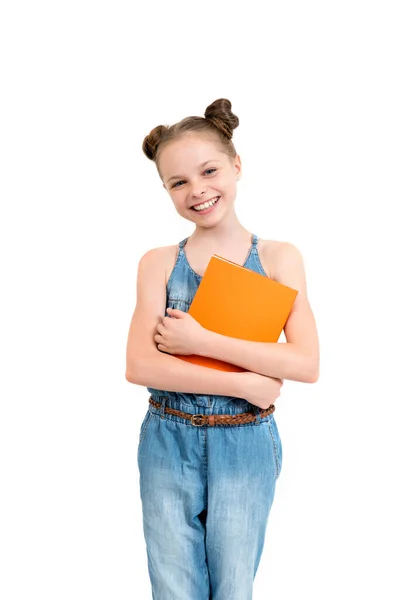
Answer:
x=241 y=487
x=206 y=497
x=173 y=493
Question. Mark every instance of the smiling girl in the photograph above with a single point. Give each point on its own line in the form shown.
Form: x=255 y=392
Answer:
x=209 y=452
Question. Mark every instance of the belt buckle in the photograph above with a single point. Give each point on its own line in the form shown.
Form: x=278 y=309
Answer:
x=198 y=420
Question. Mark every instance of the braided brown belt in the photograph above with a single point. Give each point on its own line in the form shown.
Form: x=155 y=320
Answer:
x=210 y=420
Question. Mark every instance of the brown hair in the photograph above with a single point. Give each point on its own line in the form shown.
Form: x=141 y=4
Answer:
x=218 y=120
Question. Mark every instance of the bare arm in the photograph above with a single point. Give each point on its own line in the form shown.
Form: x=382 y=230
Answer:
x=298 y=359
x=148 y=367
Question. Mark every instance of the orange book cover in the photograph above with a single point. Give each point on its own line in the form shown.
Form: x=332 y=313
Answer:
x=238 y=302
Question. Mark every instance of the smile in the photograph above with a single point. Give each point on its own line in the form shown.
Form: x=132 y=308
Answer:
x=205 y=206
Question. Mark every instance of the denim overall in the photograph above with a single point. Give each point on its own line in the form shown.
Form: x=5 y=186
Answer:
x=206 y=492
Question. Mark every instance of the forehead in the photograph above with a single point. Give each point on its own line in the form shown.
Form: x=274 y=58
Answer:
x=189 y=151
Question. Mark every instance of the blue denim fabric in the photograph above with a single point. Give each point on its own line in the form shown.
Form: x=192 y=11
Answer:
x=206 y=492
x=181 y=288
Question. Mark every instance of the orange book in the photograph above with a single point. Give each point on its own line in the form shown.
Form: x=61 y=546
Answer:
x=238 y=302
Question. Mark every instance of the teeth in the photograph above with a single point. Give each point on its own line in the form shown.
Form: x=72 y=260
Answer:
x=206 y=204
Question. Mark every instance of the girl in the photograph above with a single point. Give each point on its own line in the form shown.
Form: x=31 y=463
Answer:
x=209 y=452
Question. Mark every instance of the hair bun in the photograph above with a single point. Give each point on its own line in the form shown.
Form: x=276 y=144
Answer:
x=152 y=141
x=220 y=114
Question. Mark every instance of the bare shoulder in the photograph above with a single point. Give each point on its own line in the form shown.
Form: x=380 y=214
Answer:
x=269 y=252
x=287 y=267
x=150 y=304
x=159 y=259
x=284 y=262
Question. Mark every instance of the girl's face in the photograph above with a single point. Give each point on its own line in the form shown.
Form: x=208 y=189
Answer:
x=200 y=179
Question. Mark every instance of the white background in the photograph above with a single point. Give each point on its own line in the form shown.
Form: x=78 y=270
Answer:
x=316 y=89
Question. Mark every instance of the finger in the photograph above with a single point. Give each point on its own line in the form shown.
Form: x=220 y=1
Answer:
x=160 y=328
x=158 y=339
x=175 y=312
x=162 y=348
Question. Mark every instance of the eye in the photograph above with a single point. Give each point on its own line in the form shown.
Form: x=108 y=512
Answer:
x=177 y=183
x=210 y=171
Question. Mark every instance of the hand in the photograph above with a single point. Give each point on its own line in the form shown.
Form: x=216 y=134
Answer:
x=259 y=389
x=179 y=333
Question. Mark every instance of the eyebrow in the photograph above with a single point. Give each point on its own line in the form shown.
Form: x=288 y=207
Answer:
x=200 y=166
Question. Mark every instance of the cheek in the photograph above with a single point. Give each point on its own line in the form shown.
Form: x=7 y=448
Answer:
x=230 y=186
x=227 y=182
x=179 y=203
x=176 y=199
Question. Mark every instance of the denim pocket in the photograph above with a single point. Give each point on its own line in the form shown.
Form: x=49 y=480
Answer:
x=143 y=428
x=277 y=444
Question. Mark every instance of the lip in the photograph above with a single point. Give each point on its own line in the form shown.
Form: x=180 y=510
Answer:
x=204 y=201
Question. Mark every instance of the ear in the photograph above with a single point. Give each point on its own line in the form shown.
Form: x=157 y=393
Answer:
x=237 y=165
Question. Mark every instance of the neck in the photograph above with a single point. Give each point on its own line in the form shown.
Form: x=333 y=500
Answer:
x=229 y=231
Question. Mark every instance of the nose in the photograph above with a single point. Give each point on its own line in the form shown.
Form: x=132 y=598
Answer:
x=198 y=189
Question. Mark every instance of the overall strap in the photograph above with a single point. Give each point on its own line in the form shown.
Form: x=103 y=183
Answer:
x=181 y=245
x=255 y=256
